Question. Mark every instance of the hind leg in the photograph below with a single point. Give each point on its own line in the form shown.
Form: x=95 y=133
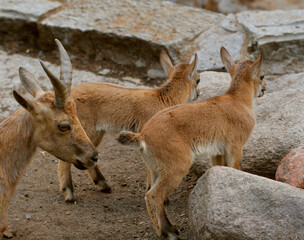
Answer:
x=218 y=160
x=164 y=184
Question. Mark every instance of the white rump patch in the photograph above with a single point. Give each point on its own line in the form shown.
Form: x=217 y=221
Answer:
x=210 y=149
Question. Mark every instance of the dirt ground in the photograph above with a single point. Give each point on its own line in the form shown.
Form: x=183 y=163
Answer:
x=38 y=210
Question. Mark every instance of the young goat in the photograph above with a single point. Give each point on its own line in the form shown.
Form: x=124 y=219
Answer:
x=104 y=107
x=49 y=122
x=217 y=127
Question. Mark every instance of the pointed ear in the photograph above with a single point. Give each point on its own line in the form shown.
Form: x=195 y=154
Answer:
x=227 y=59
x=26 y=103
x=166 y=63
x=193 y=66
x=256 y=66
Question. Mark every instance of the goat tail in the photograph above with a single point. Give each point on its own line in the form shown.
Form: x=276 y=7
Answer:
x=128 y=138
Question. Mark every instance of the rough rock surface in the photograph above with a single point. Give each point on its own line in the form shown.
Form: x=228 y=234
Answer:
x=279 y=128
x=291 y=168
x=226 y=34
x=231 y=204
x=281 y=83
x=279 y=35
x=10 y=79
x=234 y=6
x=23 y=9
x=213 y=84
x=128 y=32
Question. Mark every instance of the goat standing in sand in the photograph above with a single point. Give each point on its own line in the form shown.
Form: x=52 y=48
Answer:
x=104 y=107
x=218 y=127
x=49 y=122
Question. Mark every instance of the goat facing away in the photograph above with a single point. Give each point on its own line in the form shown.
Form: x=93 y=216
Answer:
x=50 y=122
x=218 y=127
x=104 y=107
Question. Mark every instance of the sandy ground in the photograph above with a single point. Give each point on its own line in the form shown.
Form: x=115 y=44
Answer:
x=38 y=210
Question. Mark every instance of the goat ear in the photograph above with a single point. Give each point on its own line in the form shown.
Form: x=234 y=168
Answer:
x=227 y=59
x=26 y=103
x=256 y=66
x=193 y=66
x=166 y=63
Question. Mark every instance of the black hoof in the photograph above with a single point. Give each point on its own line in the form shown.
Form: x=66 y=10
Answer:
x=106 y=190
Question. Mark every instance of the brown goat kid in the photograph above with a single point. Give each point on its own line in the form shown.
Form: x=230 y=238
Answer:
x=49 y=122
x=104 y=107
x=218 y=127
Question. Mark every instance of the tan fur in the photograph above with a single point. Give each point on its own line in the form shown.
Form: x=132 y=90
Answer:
x=217 y=127
x=36 y=125
x=104 y=107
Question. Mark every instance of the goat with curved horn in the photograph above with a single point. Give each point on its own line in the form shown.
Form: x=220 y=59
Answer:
x=61 y=92
x=65 y=66
x=30 y=83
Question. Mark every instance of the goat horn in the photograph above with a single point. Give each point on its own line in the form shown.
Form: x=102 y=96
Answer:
x=61 y=92
x=30 y=83
x=65 y=66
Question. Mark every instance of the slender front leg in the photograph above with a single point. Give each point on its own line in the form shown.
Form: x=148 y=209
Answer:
x=66 y=183
x=234 y=157
x=99 y=179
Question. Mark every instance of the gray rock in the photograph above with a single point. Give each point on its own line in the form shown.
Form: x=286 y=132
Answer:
x=104 y=72
x=231 y=204
x=279 y=128
x=23 y=9
x=129 y=32
x=281 y=83
x=279 y=35
x=226 y=34
x=213 y=84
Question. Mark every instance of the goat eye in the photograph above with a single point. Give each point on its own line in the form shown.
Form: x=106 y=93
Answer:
x=262 y=77
x=198 y=81
x=64 y=127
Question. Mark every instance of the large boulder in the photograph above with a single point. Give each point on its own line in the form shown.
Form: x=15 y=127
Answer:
x=128 y=32
x=279 y=122
x=226 y=33
x=231 y=204
x=18 y=19
x=279 y=35
x=291 y=168
x=279 y=128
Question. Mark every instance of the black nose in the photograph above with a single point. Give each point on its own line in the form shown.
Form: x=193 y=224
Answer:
x=95 y=157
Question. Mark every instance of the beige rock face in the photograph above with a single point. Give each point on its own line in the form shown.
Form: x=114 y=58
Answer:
x=279 y=35
x=231 y=204
x=226 y=34
x=127 y=32
x=23 y=9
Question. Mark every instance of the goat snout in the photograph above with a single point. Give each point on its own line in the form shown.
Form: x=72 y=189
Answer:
x=94 y=158
x=80 y=165
x=262 y=92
